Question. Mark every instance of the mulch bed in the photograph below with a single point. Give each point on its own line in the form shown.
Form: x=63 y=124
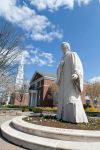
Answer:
x=94 y=123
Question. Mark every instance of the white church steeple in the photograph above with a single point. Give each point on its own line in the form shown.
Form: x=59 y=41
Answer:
x=20 y=75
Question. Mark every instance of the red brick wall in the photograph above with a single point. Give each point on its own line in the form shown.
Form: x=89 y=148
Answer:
x=25 y=100
x=47 y=97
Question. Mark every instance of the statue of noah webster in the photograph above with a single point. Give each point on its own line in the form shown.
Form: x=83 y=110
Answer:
x=70 y=82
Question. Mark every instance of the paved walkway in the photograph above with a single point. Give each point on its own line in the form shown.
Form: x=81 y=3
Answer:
x=5 y=145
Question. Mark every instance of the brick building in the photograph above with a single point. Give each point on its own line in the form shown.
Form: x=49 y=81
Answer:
x=39 y=94
x=14 y=100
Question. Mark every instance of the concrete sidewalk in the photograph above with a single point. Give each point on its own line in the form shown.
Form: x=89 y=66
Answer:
x=5 y=145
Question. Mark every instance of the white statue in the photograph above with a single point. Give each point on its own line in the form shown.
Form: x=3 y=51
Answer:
x=70 y=82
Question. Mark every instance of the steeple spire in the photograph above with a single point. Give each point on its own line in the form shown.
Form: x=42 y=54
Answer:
x=20 y=75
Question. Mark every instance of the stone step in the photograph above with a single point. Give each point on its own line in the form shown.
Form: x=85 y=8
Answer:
x=55 y=133
x=39 y=143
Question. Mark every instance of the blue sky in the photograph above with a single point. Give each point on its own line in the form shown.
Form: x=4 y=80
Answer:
x=47 y=23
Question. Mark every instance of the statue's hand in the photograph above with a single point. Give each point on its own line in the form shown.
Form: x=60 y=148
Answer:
x=74 y=76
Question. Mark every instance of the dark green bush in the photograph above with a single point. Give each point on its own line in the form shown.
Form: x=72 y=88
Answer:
x=49 y=117
x=25 y=108
x=13 y=106
x=37 y=110
x=30 y=108
x=16 y=106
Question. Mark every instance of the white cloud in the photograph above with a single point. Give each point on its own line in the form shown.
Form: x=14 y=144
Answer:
x=85 y=2
x=94 y=79
x=56 y=4
x=46 y=36
x=49 y=57
x=38 y=57
x=36 y=26
x=25 y=17
x=52 y=4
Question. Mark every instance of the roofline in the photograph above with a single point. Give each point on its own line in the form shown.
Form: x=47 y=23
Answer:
x=34 y=75
x=48 y=77
x=45 y=76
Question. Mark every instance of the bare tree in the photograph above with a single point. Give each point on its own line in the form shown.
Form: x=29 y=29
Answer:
x=93 y=90
x=10 y=40
x=10 y=48
x=53 y=89
x=21 y=93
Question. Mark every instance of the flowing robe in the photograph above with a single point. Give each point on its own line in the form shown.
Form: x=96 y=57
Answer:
x=70 y=107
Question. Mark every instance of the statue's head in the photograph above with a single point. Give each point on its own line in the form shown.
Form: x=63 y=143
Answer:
x=65 y=46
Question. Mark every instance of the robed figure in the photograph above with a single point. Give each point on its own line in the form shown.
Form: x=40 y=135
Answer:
x=70 y=82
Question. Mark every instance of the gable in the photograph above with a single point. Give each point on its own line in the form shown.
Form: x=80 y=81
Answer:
x=36 y=76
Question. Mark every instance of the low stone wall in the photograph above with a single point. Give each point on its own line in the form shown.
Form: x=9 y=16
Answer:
x=49 y=111
x=10 y=111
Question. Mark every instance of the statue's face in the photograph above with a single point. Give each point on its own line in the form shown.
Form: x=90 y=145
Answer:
x=64 y=48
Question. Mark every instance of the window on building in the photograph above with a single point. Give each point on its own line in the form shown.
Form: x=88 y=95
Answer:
x=35 y=85
x=32 y=87
x=39 y=84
